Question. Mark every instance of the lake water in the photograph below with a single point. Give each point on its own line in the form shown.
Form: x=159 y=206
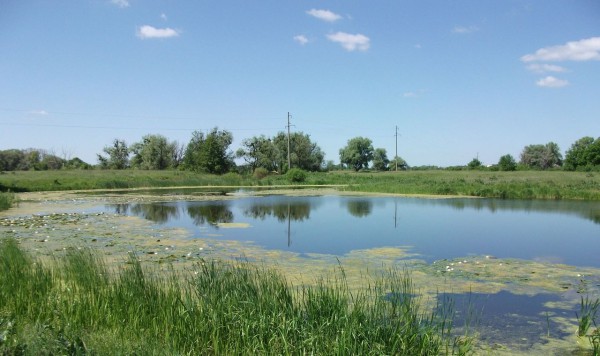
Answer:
x=550 y=231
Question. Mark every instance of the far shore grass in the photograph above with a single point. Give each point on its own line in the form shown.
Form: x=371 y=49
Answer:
x=504 y=185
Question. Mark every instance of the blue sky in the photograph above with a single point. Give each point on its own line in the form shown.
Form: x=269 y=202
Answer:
x=458 y=78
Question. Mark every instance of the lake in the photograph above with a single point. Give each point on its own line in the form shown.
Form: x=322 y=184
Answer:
x=565 y=232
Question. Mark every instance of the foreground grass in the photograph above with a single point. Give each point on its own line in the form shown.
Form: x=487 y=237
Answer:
x=505 y=185
x=75 y=306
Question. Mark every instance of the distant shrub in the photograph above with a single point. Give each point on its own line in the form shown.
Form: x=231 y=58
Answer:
x=296 y=175
x=260 y=173
x=231 y=178
x=474 y=164
x=507 y=163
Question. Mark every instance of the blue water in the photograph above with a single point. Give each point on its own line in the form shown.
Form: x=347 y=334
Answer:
x=556 y=231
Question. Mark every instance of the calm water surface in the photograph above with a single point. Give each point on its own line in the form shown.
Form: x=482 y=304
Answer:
x=555 y=231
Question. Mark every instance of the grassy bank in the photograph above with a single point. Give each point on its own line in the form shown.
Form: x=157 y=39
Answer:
x=30 y=181
x=75 y=306
x=506 y=185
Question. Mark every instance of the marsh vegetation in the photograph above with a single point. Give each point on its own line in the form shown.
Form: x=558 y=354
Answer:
x=75 y=305
x=6 y=200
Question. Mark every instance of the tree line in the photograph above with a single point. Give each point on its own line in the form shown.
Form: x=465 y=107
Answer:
x=38 y=159
x=583 y=155
x=210 y=153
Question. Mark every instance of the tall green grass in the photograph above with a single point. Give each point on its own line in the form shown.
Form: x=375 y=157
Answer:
x=6 y=200
x=75 y=306
x=29 y=181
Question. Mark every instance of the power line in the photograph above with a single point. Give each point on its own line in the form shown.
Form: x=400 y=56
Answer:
x=125 y=128
x=167 y=117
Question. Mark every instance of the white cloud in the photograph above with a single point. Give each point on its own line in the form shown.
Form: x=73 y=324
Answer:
x=543 y=68
x=146 y=31
x=582 y=50
x=301 y=39
x=551 y=82
x=351 y=42
x=38 y=112
x=120 y=3
x=413 y=94
x=324 y=15
x=465 y=30
x=163 y=16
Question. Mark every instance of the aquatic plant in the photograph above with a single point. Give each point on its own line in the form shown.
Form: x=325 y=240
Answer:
x=6 y=200
x=586 y=317
x=594 y=339
x=588 y=310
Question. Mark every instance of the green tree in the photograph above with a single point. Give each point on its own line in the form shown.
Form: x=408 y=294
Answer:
x=474 y=164
x=50 y=161
x=304 y=153
x=402 y=165
x=154 y=152
x=584 y=154
x=118 y=156
x=259 y=152
x=77 y=163
x=507 y=163
x=11 y=160
x=33 y=158
x=357 y=153
x=541 y=156
x=380 y=159
x=209 y=153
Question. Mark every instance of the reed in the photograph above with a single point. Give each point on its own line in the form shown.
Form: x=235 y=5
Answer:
x=588 y=310
x=6 y=200
x=74 y=305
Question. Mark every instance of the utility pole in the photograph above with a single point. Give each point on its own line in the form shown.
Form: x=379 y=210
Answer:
x=288 y=129
x=396 y=158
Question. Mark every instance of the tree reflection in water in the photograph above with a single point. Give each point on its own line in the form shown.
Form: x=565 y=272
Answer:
x=209 y=213
x=156 y=212
x=296 y=211
x=359 y=207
